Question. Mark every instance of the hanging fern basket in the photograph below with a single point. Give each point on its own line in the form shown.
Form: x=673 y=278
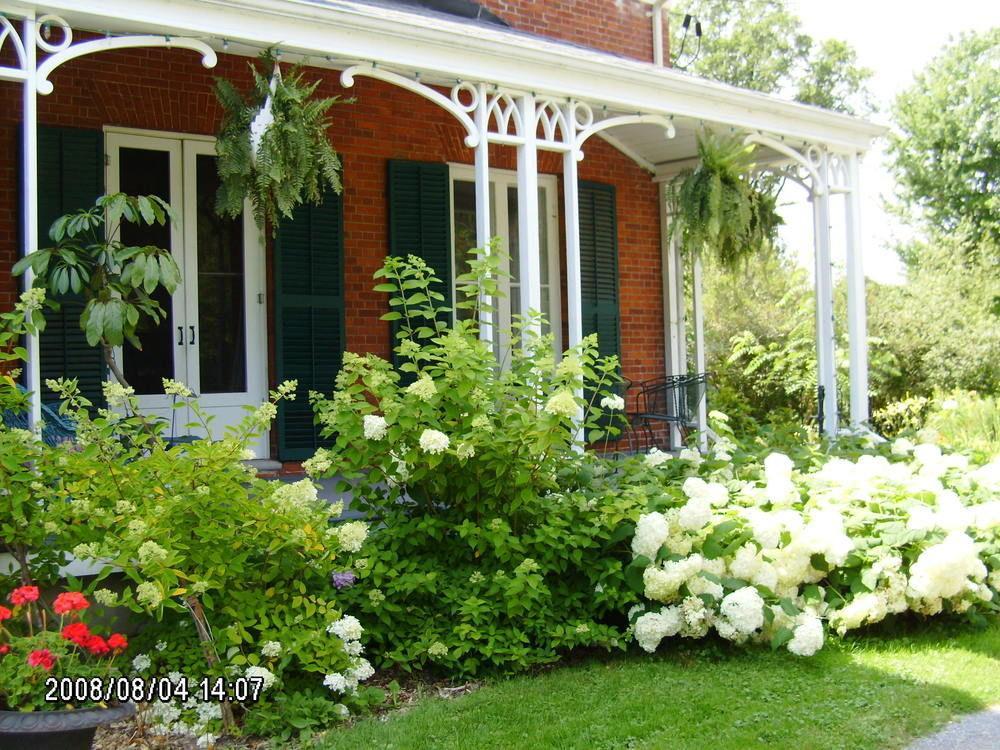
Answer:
x=273 y=145
x=721 y=207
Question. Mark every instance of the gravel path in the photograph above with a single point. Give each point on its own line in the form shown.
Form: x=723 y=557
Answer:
x=978 y=731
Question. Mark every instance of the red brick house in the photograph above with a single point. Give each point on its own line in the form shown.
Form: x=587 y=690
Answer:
x=547 y=124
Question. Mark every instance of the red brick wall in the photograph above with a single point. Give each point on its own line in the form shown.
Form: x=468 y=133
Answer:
x=619 y=26
x=169 y=90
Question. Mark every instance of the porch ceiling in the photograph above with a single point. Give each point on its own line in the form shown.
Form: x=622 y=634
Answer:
x=337 y=33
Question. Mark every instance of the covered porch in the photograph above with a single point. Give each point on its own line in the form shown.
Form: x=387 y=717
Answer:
x=517 y=99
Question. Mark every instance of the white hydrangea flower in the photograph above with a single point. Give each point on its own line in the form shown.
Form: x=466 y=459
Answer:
x=319 y=464
x=661 y=583
x=807 y=636
x=652 y=627
x=902 y=447
x=655 y=457
x=141 y=662
x=375 y=427
x=613 y=403
x=692 y=455
x=423 y=388
x=295 y=495
x=695 y=514
x=266 y=675
x=562 y=404
x=336 y=682
x=351 y=535
x=150 y=552
x=943 y=570
x=271 y=649
x=433 y=441
x=176 y=388
x=361 y=671
x=744 y=610
x=347 y=628
x=651 y=532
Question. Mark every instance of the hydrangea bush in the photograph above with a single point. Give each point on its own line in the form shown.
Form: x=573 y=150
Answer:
x=781 y=551
x=232 y=572
x=486 y=549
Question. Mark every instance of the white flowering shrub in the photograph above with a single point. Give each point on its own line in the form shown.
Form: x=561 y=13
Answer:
x=780 y=551
x=469 y=471
x=233 y=574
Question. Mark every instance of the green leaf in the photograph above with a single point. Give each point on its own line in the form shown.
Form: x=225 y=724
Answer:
x=634 y=572
x=781 y=637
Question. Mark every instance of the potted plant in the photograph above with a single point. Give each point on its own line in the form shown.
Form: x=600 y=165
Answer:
x=722 y=206
x=56 y=675
x=273 y=145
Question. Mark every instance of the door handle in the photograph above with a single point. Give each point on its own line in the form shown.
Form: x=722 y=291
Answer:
x=192 y=334
x=180 y=335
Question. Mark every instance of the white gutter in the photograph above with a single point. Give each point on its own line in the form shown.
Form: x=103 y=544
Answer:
x=350 y=31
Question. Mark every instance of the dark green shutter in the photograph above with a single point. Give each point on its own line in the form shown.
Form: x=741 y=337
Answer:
x=309 y=316
x=70 y=177
x=599 y=266
x=420 y=218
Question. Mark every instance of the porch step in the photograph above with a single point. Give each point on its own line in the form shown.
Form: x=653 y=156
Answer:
x=267 y=468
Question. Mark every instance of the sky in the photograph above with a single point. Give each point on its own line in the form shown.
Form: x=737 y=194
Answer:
x=896 y=39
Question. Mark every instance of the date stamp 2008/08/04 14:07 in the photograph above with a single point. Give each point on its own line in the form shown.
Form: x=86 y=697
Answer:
x=156 y=689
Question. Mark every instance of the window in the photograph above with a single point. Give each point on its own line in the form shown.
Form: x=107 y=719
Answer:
x=504 y=224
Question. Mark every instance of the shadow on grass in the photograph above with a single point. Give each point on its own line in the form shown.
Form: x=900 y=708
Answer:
x=871 y=692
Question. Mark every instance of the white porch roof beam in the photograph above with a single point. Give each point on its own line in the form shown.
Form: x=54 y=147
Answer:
x=353 y=31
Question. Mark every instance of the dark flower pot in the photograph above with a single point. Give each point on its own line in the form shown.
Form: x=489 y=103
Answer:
x=57 y=730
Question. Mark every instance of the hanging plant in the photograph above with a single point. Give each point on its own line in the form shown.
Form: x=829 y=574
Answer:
x=721 y=207
x=273 y=146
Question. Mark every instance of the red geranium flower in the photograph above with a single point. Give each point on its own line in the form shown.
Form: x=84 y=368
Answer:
x=23 y=595
x=70 y=601
x=118 y=643
x=96 y=645
x=5 y=614
x=42 y=658
x=77 y=632
x=4 y=650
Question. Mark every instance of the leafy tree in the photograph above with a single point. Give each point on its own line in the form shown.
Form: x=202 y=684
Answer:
x=760 y=45
x=939 y=330
x=118 y=281
x=946 y=150
x=759 y=340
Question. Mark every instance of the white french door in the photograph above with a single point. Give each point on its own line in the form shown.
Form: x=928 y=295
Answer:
x=214 y=336
x=505 y=225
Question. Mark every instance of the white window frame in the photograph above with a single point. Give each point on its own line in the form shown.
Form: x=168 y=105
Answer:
x=500 y=181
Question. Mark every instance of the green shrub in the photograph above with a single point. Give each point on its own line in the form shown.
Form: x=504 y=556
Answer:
x=232 y=571
x=965 y=420
x=488 y=548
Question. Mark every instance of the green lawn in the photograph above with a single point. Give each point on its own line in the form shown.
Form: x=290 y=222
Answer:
x=871 y=692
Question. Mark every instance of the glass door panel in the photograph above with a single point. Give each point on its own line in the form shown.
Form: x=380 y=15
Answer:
x=222 y=345
x=147 y=172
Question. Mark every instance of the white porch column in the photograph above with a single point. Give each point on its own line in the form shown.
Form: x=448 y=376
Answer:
x=527 y=209
x=30 y=201
x=857 y=323
x=571 y=208
x=699 y=350
x=826 y=366
x=674 y=346
x=483 y=229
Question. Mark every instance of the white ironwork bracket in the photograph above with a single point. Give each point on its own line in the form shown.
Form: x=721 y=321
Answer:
x=450 y=104
x=809 y=161
x=593 y=128
x=67 y=53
